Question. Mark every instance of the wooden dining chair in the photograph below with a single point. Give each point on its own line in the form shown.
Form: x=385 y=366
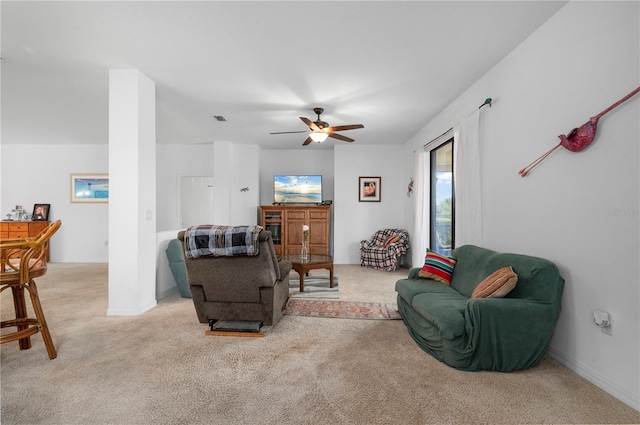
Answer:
x=22 y=260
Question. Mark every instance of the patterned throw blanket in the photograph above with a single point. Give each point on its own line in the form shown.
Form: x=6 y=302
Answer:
x=221 y=241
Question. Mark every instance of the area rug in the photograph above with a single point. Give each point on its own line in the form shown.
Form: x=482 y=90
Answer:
x=314 y=287
x=342 y=309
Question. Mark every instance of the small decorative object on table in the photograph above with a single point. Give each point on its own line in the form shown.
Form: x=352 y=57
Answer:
x=305 y=243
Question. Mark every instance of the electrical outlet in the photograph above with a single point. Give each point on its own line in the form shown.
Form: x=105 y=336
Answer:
x=603 y=320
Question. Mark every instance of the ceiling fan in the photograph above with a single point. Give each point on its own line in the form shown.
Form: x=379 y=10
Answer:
x=320 y=130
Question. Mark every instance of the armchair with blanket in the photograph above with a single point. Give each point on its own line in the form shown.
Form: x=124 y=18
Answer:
x=384 y=250
x=233 y=285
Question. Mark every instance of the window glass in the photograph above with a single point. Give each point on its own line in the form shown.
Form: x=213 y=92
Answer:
x=442 y=202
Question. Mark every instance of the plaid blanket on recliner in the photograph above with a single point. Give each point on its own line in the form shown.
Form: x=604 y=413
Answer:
x=210 y=240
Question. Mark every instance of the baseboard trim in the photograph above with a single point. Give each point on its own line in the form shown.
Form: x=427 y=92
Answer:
x=137 y=312
x=596 y=379
x=167 y=292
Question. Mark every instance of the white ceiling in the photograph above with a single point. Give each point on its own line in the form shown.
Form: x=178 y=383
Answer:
x=389 y=65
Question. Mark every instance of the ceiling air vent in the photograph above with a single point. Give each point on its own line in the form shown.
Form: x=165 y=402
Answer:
x=218 y=117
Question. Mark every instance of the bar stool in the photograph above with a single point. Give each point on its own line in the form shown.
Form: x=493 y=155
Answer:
x=22 y=260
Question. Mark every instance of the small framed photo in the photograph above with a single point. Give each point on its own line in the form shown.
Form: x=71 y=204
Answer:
x=369 y=189
x=90 y=188
x=40 y=212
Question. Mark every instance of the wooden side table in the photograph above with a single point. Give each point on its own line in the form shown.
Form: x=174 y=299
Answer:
x=315 y=261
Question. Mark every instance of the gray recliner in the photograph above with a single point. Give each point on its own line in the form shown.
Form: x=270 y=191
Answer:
x=254 y=288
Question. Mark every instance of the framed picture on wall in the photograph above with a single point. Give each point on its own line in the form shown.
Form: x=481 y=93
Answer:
x=90 y=188
x=369 y=189
x=40 y=212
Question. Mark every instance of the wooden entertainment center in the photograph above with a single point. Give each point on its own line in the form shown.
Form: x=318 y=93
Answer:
x=285 y=224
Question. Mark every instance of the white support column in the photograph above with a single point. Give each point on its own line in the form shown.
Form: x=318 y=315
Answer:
x=132 y=193
x=246 y=174
x=222 y=181
x=236 y=167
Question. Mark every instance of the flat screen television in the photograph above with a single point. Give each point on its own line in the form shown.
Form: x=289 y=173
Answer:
x=297 y=189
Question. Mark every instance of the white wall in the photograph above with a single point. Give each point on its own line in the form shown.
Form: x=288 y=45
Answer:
x=222 y=178
x=174 y=161
x=579 y=210
x=246 y=175
x=41 y=174
x=354 y=220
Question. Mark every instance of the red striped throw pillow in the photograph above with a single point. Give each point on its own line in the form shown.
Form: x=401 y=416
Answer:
x=437 y=267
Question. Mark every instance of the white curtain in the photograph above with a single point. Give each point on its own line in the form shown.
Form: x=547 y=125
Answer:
x=420 y=240
x=466 y=172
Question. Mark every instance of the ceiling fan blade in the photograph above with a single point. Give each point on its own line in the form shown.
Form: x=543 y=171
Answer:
x=289 y=132
x=340 y=137
x=306 y=142
x=310 y=123
x=345 y=127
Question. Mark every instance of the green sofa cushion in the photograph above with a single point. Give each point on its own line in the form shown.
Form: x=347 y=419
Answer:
x=176 y=264
x=537 y=277
x=410 y=287
x=444 y=311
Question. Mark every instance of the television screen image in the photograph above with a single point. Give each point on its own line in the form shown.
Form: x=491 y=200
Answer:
x=297 y=189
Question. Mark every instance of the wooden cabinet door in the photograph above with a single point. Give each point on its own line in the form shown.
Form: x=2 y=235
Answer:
x=294 y=220
x=319 y=231
x=272 y=220
x=35 y=227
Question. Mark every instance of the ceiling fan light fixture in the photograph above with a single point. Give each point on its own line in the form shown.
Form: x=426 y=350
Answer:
x=318 y=136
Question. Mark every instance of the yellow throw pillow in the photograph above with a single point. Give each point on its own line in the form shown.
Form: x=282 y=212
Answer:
x=497 y=284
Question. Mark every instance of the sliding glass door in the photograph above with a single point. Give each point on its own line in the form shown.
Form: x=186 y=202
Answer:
x=442 y=202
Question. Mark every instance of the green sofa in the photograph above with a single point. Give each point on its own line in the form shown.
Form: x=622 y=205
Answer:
x=500 y=334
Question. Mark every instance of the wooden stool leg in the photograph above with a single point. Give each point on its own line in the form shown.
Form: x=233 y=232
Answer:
x=42 y=323
x=20 y=307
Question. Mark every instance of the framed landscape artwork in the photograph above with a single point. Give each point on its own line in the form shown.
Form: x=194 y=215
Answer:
x=90 y=188
x=369 y=189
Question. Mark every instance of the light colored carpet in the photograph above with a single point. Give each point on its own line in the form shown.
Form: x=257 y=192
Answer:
x=316 y=285
x=160 y=368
